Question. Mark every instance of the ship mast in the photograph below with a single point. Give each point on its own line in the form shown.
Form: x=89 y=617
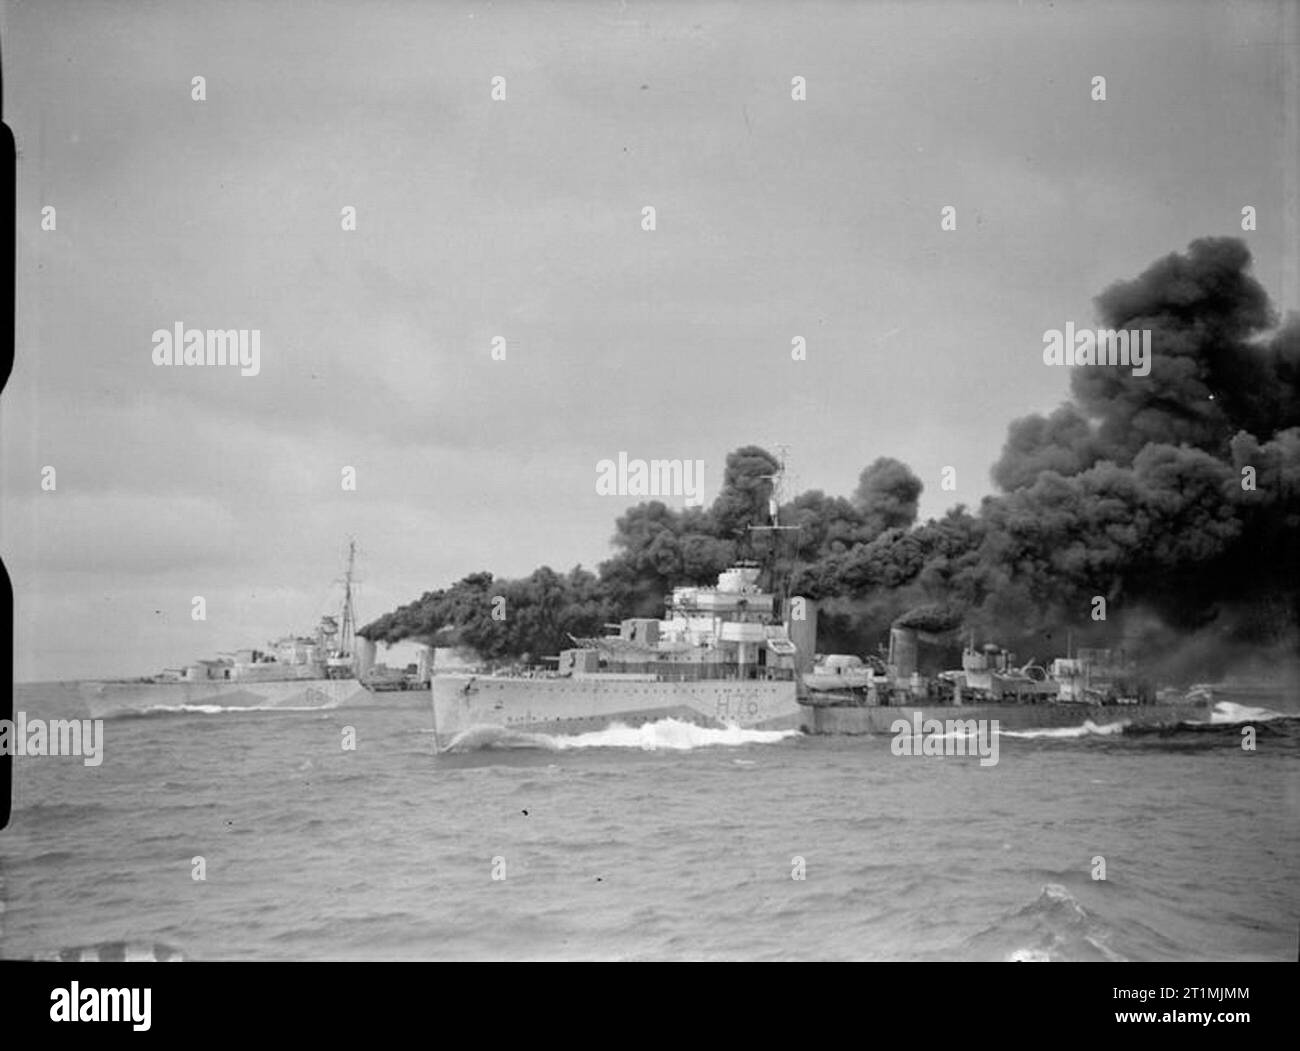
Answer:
x=779 y=585
x=347 y=623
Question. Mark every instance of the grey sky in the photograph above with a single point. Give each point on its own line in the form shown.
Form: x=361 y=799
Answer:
x=522 y=219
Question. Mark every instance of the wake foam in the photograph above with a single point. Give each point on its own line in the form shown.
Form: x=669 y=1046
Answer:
x=154 y=710
x=662 y=735
x=1224 y=713
x=1088 y=729
x=1228 y=712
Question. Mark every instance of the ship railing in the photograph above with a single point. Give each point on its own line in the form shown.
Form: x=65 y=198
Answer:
x=709 y=672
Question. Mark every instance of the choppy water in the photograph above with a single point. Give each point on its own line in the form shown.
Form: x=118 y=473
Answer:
x=664 y=842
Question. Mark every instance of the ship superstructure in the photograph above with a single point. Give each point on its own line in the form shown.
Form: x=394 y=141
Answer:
x=1098 y=676
x=725 y=632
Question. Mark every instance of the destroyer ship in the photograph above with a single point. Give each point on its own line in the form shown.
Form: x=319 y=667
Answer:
x=723 y=656
x=844 y=694
x=327 y=669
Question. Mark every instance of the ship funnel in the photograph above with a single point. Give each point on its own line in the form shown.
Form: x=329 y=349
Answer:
x=902 y=652
x=365 y=659
x=802 y=631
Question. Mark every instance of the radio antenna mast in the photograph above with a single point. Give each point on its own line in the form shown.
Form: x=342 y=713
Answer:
x=779 y=583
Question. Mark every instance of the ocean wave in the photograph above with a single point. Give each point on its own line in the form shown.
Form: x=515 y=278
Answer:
x=1053 y=928
x=41 y=813
x=661 y=735
x=116 y=952
x=1029 y=956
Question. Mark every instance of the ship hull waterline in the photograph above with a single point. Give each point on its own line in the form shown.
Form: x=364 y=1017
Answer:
x=568 y=706
x=585 y=704
x=108 y=699
x=879 y=719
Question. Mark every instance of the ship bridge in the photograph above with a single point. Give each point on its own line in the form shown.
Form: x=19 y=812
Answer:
x=723 y=632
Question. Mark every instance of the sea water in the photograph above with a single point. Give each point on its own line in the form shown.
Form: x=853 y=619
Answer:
x=663 y=842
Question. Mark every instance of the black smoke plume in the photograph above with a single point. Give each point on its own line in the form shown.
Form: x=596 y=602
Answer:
x=1174 y=497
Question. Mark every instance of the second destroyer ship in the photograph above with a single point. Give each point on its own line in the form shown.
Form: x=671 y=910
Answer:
x=847 y=695
x=328 y=669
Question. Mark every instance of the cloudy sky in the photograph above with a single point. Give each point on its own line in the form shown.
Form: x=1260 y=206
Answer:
x=522 y=218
